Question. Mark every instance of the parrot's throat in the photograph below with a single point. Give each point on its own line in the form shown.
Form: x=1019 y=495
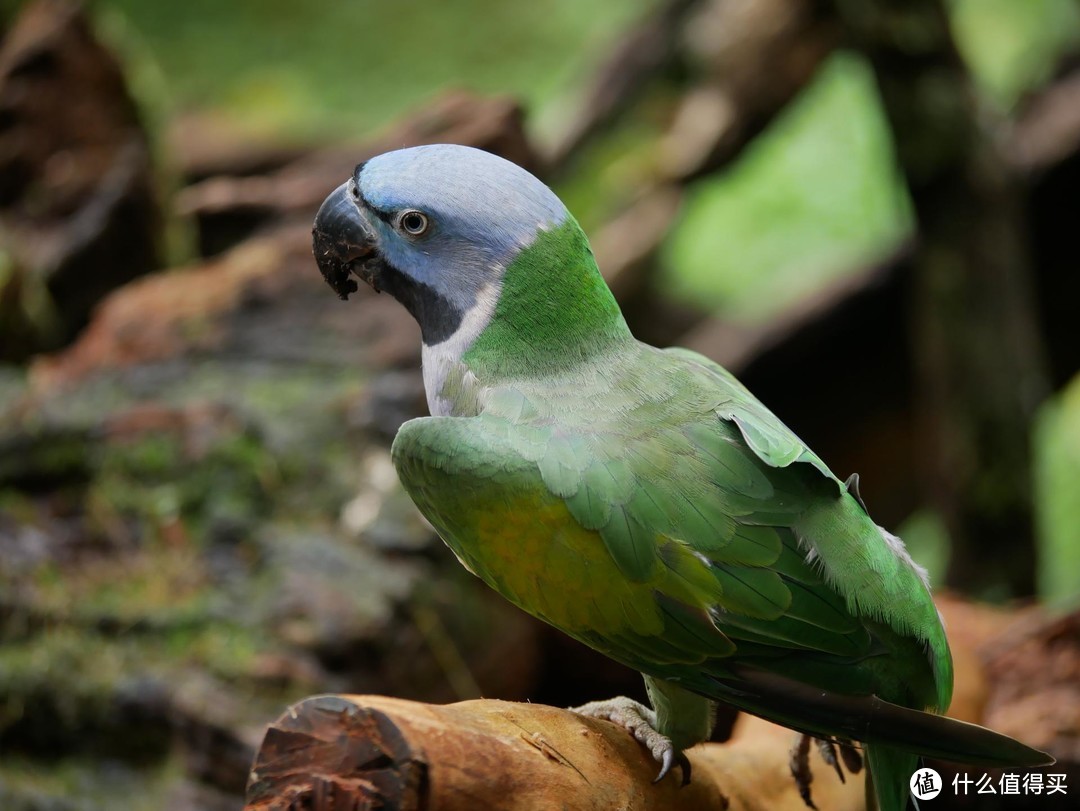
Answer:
x=443 y=362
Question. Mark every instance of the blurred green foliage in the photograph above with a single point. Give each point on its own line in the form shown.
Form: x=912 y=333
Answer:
x=1014 y=45
x=927 y=540
x=1057 y=487
x=342 y=69
x=814 y=197
x=611 y=169
x=819 y=196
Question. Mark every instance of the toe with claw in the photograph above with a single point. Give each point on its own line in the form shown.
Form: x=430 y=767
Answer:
x=827 y=748
x=799 y=764
x=640 y=722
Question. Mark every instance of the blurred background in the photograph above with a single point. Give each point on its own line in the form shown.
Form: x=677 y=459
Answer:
x=867 y=210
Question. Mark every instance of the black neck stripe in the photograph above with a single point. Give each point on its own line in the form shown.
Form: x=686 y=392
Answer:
x=438 y=317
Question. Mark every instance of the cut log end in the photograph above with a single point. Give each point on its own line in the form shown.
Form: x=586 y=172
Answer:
x=330 y=752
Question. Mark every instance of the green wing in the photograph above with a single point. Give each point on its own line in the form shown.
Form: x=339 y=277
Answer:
x=869 y=566
x=674 y=526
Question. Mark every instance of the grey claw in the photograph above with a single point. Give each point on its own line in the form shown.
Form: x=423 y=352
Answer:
x=670 y=758
x=665 y=766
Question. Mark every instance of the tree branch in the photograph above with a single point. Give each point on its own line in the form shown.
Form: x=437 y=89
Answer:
x=348 y=752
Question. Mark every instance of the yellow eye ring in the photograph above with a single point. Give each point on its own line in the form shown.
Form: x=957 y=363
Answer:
x=413 y=223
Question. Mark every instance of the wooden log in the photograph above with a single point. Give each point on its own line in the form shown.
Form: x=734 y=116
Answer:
x=357 y=752
x=351 y=752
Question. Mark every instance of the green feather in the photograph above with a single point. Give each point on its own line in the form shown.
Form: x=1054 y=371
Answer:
x=631 y=543
x=751 y=592
x=750 y=546
x=562 y=464
x=890 y=771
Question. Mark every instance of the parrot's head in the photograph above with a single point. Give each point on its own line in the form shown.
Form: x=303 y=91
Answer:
x=435 y=226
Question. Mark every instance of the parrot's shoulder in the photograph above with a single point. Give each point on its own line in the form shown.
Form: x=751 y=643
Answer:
x=764 y=432
x=480 y=446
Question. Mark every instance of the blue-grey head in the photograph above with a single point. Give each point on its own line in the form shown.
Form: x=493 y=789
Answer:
x=435 y=226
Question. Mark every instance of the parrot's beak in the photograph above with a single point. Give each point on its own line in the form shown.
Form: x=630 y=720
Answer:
x=343 y=242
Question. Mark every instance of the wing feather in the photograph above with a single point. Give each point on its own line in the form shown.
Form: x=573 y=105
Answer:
x=694 y=500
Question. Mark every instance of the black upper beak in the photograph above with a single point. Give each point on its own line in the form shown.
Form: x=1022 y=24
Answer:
x=342 y=240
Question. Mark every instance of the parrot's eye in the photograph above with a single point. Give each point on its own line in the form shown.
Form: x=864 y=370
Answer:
x=413 y=223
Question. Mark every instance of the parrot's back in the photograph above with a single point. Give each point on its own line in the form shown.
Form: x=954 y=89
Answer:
x=657 y=511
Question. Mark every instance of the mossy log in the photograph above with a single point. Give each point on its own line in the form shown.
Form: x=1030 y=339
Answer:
x=352 y=752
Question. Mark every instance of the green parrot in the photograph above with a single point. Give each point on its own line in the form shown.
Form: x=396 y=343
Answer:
x=639 y=499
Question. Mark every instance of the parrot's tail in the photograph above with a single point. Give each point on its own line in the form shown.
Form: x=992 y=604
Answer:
x=889 y=776
x=871 y=720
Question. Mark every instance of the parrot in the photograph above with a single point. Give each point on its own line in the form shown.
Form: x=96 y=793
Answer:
x=639 y=499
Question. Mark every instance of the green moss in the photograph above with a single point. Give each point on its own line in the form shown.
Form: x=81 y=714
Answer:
x=157 y=482
x=80 y=664
x=280 y=431
x=44 y=456
x=156 y=588
x=84 y=784
x=63 y=690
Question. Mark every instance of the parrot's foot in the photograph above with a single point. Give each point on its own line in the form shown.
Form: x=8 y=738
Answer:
x=827 y=748
x=640 y=722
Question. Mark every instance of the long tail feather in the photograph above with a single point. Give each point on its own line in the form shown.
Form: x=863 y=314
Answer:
x=890 y=773
x=871 y=720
